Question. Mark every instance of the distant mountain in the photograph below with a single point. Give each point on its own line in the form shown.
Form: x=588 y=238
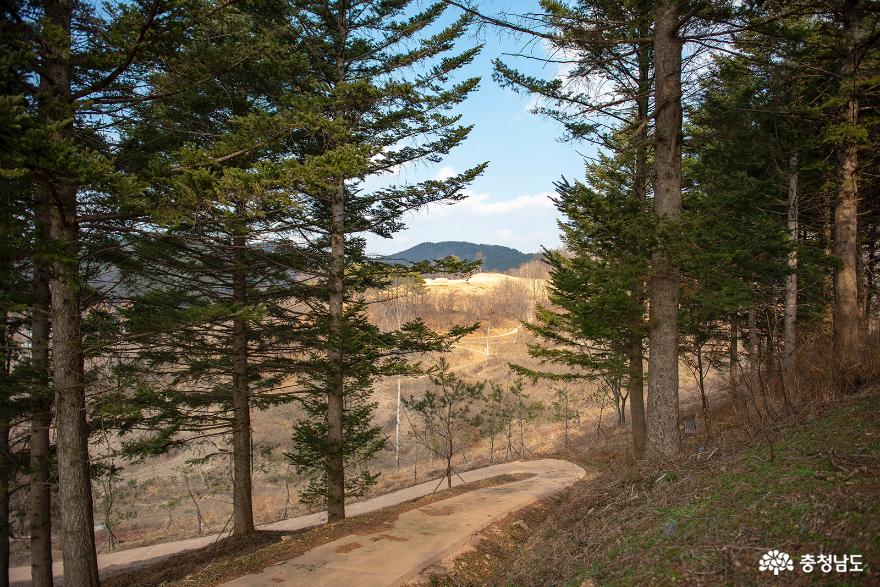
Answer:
x=495 y=257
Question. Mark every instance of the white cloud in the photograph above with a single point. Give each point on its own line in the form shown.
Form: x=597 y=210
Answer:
x=483 y=205
x=564 y=57
x=445 y=172
x=533 y=102
x=525 y=222
x=597 y=88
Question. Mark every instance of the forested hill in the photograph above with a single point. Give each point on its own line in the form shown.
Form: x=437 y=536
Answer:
x=495 y=257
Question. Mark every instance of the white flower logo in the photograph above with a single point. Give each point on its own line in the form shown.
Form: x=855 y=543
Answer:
x=774 y=560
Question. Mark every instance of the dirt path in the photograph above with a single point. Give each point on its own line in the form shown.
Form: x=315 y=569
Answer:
x=420 y=537
x=551 y=474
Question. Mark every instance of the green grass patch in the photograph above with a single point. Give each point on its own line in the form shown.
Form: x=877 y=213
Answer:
x=818 y=496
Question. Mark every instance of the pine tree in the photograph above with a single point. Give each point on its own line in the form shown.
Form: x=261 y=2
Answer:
x=662 y=412
x=78 y=71
x=26 y=225
x=607 y=232
x=444 y=415
x=15 y=372
x=609 y=44
x=739 y=257
x=210 y=284
x=375 y=116
x=762 y=140
x=835 y=38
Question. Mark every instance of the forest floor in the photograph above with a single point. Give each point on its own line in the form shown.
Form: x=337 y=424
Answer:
x=709 y=520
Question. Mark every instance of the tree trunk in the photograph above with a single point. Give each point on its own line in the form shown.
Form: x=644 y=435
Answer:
x=739 y=402
x=397 y=424
x=449 y=460
x=492 y=446
x=335 y=463
x=870 y=277
x=847 y=342
x=702 y=383
x=40 y=513
x=754 y=351
x=74 y=483
x=5 y=479
x=75 y=489
x=565 y=426
x=791 y=291
x=5 y=417
x=662 y=414
x=6 y=462
x=861 y=280
x=522 y=440
x=635 y=387
x=636 y=343
x=242 y=504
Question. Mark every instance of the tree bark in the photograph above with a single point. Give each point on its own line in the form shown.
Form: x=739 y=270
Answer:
x=40 y=513
x=449 y=459
x=636 y=343
x=733 y=357
x=335 y=391
x=242 y=504
x=397 y=423
x=847 y=342
x=565 y=431
x=335 y=464
x=662 y=413
x=6 y=461
x=740 y=402
x=701 y=380
x=5 y=416
x=791 y=283
x=492 y=445
x=5 y=479
x=74 y=483
x=754 y=351
x=522 y=436
x=870 y=277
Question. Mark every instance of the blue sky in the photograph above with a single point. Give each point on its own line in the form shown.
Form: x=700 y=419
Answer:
x=509 y=204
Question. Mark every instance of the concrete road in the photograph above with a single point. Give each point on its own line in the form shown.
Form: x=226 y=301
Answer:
x=417 y=538
x=563 y=470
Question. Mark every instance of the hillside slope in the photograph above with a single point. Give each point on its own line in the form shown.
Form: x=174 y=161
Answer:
x=495 y=257
x=708 y=521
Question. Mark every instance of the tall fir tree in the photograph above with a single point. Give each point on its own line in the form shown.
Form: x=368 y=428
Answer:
x=593 y=316
x=600 y=45
x=210 y=281
x=383 y=93
x=81 y=68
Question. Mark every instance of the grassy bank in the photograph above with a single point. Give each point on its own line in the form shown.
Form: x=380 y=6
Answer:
x=709 y=519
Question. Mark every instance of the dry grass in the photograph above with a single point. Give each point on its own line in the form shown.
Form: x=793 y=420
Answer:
x=479 y=284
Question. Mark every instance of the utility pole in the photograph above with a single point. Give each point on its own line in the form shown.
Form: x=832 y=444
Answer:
x=397 y=426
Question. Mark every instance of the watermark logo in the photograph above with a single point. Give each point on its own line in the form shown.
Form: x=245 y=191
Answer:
x=776 y=561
